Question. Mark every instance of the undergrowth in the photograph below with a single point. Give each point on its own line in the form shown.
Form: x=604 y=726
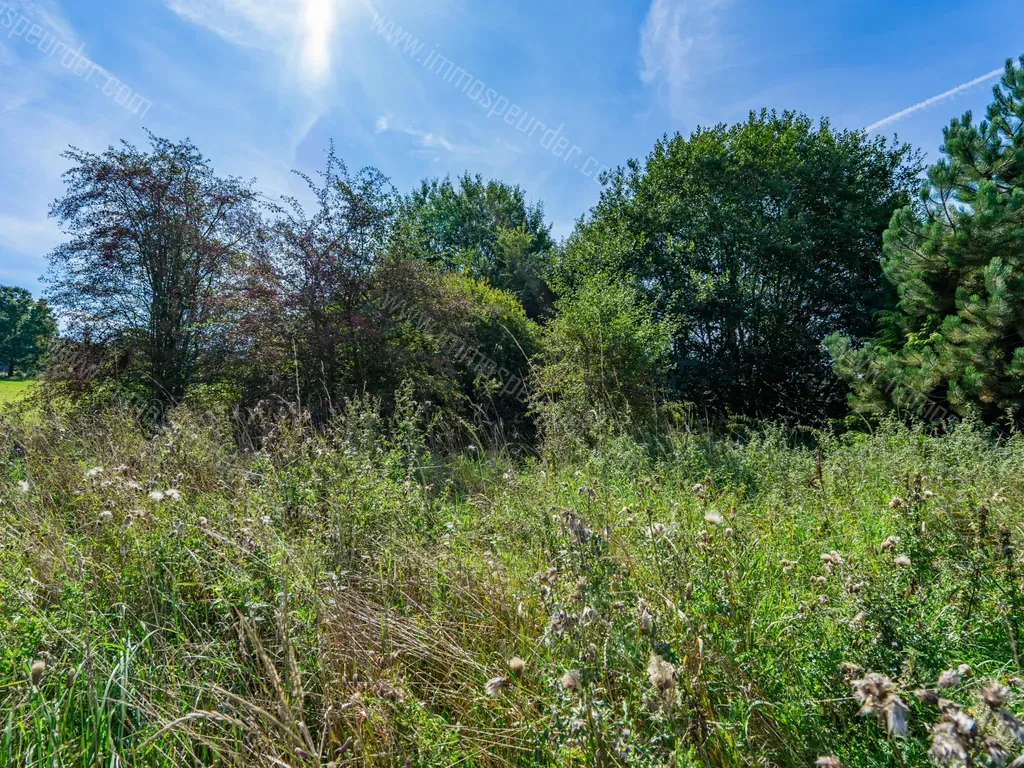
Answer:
x=263 y=594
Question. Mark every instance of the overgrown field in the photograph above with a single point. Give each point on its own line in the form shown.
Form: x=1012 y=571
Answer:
x=345 y=598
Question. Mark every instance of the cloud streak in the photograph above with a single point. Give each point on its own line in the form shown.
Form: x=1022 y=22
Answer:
x=676 y=40
x=935 y=100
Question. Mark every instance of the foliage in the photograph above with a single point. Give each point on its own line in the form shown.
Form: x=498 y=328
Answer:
x=262 y=593
x=604 y=359
x=145 y=271
x=954 y=342
x=305 y=311
x=27 y=328
x=484 y=229
x=761 y=238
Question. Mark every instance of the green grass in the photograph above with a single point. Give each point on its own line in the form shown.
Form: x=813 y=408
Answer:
x=14 y=389
x=340 y=598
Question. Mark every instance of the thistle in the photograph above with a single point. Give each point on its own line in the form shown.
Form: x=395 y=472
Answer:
x=876 y=694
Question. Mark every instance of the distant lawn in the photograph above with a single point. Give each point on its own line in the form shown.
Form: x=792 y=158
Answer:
x=13 y=389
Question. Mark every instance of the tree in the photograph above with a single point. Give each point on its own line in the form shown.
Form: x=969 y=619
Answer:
x=954 y=340
x=486 y=230
x=26 y=329
x=308 y=306
x=760 y=239
x=152 y=238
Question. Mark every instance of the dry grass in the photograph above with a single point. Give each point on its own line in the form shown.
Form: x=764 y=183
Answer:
x=330 y=598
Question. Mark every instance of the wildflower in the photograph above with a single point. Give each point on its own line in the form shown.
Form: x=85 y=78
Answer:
x=902 y=561
x=105 y=516
x=91 y=473
x=562 y=622
x=24 y=486
x=661 y=674
x=823 y=599
x=127 y=522
x=833 y=558
x=949 y=678
x=888 y=544
x=156 y=496
x=688 y=591
x=927 y=696
x=494 y=685
x=818 y=580
x=787 y=565
x=714 y=518
x=895 y=502
x=699 y=490
x=516 y=665
x=36 y=672
x=828 y=761
x=995 y=695
x=265 y=520
x=550 y=576
x=571 y=680
x=875 y=694
x=953 y=737
x=644 y=616
x=173 y=494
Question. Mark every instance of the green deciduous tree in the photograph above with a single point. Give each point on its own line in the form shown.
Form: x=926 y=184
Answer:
x=487 y=230
x=954 y=340
x=760 y=238
x=26 y=329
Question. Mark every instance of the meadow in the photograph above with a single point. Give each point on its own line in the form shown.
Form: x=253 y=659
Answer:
x=14 y=389
x=265 y=594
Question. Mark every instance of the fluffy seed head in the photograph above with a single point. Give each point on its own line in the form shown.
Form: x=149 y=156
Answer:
x=713 y=517
x=516 y=666
x=661 y=674
x=36 y=672
x=994 y=695
x=571 y=680
x=902 y=561
x=949 y=678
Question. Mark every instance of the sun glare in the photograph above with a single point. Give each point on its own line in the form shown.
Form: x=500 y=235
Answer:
x=318 y=19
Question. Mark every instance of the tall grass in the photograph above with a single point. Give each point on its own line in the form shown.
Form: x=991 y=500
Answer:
x=343 y=597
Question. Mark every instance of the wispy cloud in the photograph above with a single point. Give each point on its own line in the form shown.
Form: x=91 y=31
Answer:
x=675 y=42
x=935 y=99
x=301 y=29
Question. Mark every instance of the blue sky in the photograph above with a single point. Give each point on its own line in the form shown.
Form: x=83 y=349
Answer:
x=262 y=85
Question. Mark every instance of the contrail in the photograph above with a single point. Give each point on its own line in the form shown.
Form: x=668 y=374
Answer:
x=934 y=100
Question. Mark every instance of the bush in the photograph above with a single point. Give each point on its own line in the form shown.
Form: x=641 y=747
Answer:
x=603 y=362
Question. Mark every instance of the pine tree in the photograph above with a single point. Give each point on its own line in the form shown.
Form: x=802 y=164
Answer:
x=954 y=340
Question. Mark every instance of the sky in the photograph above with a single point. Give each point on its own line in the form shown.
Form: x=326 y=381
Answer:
x=537 y=93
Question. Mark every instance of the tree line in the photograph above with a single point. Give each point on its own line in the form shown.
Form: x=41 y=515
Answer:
x=775 y=269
